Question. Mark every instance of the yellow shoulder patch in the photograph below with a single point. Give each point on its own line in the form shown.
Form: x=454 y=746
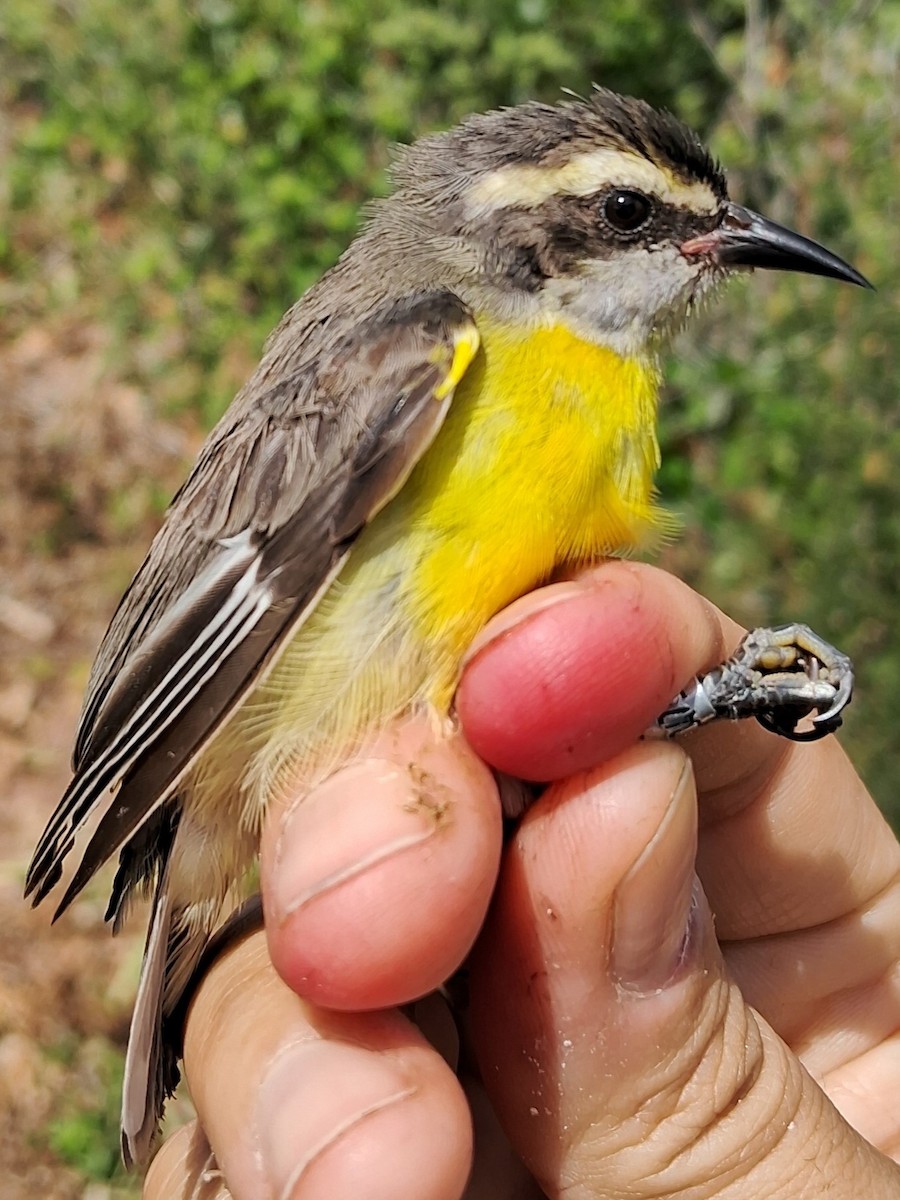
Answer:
x=466 y=341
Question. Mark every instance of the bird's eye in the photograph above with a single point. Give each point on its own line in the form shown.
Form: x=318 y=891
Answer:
x=626 y=211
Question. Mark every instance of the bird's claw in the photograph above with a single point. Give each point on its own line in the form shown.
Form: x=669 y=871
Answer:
x=780 y=676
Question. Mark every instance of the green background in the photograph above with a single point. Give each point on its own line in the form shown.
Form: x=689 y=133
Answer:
x=228 y=145
x=176 y=173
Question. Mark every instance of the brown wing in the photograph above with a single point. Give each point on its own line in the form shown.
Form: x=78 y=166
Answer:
x=309 y=452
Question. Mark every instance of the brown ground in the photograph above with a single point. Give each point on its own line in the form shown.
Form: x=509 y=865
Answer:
x=79 y=455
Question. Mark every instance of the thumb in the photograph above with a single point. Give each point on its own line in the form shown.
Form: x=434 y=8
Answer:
x=621 y=1057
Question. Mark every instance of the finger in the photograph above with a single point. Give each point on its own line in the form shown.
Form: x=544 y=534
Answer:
x=571 y=675
x=791 y=842
x=804 y=876
x=791 y=838
x=621 y=1057
x=300 y=1103
x=375 y=883
x=803 y=873
x=185 y=1169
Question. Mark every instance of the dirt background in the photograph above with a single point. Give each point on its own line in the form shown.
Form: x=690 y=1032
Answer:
x=65 y=989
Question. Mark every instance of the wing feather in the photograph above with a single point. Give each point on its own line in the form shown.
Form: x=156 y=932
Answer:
x=307 y=454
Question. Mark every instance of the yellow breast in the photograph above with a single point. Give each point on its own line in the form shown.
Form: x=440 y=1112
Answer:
x=546 y=459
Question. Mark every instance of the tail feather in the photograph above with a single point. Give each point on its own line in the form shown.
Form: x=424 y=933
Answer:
x=141 y=1101
x=172 y=952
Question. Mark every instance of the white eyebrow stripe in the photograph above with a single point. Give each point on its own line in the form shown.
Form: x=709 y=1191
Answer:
x=529 y=186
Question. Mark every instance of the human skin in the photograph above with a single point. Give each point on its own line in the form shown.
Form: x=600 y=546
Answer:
x=627 y=1045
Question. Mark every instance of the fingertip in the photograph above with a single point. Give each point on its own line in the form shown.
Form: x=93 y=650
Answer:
x=298 y=1100
x=184 y=1169
x=376 y=882
x=593 y=953
x=627 y=826
x=389 y=1127
x=572 y=675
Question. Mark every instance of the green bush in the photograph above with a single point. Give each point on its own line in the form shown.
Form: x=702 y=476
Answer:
x=85 y=1133
x=180 y=172
x=201 y=164
x=783 y=424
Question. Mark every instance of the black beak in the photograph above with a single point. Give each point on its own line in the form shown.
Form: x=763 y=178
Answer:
x=745 y=239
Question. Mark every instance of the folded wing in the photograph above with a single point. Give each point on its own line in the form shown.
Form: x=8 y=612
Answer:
x=318 y=442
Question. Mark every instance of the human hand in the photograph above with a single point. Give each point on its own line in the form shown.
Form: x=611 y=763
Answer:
x=610 y=1026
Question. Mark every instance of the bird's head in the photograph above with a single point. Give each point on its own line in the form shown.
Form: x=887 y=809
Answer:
x=605 y=213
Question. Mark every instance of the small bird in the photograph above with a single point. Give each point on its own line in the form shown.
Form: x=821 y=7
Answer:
x=462 y=406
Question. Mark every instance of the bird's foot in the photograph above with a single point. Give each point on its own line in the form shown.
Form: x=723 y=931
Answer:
x=780 y=676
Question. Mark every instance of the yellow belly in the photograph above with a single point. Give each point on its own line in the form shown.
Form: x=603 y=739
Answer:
x=546 y=459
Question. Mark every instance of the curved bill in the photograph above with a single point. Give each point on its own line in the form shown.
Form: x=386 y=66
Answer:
x=746 y=239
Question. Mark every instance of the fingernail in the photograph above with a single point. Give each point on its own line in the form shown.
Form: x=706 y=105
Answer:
x=312 y=1096
x=520 y=613
x=654 y=902
x=362 y=815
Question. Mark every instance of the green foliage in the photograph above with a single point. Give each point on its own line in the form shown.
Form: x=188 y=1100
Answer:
x=181 y=172
x=86 y=1140
x=783 y=426
x=85 y=1135
x=199 y=165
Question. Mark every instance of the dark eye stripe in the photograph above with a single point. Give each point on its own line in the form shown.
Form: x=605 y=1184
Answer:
x=532 y=245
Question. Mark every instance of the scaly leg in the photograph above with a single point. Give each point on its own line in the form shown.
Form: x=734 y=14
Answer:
x=780 y=676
